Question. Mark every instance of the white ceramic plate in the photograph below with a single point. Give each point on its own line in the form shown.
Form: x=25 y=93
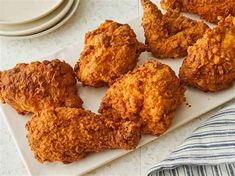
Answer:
x=200 y=102
x=60 y=23
x=38 y=25
x=22 y=11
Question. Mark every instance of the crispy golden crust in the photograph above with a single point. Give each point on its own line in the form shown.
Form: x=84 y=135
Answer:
x=169 y=35
x=39 y=85
x=68 y=134
x=210 y=65
x=210 y=10
x=150 y=92
x=110 y=51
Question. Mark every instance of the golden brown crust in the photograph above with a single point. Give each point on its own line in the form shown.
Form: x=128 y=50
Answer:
x=109 y=52
x=210 y=10
x=151 y=92
x=39 y=85
x=210 y=65
x=169 y=35
x=1 y=98
x=68 y=134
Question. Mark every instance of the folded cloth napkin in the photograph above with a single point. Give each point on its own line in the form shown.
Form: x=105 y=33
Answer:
x=209 y=151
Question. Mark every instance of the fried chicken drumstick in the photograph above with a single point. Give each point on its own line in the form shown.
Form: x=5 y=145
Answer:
x=210 y=10
x=39 y=85
x=150 y=93
x=110 y=51
x=210 y=65
x=69 y=134
x=169 y=35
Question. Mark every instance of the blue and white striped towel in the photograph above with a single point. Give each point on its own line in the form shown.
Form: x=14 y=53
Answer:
x=209 y=151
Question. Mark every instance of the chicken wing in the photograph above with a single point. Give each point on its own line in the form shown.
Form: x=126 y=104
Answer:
x=69 y=134
x=39 y=85
x=150 y=93
x=210 y=65
x=109 y=51
x=169 y=35
x=210 y=10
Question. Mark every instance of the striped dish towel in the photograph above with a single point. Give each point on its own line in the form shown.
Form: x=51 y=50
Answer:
x=209 y=151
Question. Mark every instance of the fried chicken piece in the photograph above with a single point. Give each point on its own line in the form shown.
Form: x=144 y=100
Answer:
x=39 y=85
x=110 y=51
x=150 y=93
x=210 y=65
x=69 y=134
x=210 y=10
x=169 y=35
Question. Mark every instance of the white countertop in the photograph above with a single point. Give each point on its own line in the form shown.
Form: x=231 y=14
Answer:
x=89 y=14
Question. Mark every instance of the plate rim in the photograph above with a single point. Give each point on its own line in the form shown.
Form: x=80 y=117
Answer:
x=34 y=18
x=66 y=17
x=55 y=18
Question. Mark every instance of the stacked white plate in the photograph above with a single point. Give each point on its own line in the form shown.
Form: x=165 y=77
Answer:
x=20 y=19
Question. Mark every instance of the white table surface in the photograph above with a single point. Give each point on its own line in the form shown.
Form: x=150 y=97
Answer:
x=89 y=14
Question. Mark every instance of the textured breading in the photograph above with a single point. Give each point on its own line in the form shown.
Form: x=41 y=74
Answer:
x=110 y=51
x=169 y=35
x=69 y=134
x=39 y=85
x=210 y=65
x=210 y=10
x=150 y=93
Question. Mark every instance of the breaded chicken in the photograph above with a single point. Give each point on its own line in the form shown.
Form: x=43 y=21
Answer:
x=210 y=65
x=150 y=93
x=210 y=10
x=39 y=85
x=110 y=51
x=69 y=134
x=169 y=35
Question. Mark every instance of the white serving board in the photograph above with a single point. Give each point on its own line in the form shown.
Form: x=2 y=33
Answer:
x=200 y=103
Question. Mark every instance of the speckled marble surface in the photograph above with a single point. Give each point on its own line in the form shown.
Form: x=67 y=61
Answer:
x=90 y=13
